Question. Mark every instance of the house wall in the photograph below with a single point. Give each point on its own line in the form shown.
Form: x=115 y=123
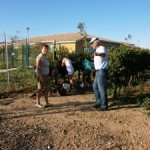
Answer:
x=80 y=46
x=70 y=46
x=77 y=47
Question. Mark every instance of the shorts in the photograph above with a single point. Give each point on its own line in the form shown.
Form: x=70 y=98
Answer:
x=46 y=82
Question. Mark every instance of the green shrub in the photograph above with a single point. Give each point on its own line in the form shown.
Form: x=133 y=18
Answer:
x=21 y=79
x=146 y=103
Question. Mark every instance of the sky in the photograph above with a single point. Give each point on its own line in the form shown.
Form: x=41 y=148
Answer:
x=111 y=19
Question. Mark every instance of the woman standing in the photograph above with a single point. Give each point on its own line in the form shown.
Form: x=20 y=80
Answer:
x=42 y=74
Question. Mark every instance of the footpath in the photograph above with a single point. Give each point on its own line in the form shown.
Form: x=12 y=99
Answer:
x=5 y=70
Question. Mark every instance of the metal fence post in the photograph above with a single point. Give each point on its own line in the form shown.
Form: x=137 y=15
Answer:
x=23 y=50
x=12 y=55
x=54 y=57
x=27 y=55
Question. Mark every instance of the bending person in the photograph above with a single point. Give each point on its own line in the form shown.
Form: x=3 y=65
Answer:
x=69 y=67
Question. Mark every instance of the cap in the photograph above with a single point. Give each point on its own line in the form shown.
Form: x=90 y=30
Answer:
x=93 y=39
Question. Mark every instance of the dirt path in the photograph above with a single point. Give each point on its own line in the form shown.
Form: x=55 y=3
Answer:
x=72 y=124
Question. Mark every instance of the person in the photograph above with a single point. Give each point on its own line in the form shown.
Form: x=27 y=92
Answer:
x=86 y=75
x=70 y=69
x=101 y=67
x=42 y=75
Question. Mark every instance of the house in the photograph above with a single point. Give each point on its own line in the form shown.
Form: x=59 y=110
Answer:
x=72 y=42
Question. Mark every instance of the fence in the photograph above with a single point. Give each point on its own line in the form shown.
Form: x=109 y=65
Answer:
x=22 y=56
x=19 y=56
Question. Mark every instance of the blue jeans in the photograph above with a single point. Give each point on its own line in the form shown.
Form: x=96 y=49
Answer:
x=100 y=88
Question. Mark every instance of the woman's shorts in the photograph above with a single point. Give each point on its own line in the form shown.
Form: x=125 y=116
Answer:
x=46 y=82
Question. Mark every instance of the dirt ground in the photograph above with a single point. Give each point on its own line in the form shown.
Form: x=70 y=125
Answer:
x=72 y=124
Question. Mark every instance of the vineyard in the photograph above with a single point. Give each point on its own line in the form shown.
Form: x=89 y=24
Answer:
x=72 y=123
x=126 y=66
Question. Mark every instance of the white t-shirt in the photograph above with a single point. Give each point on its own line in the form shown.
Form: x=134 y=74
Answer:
x=68 y=65
x=101 y=62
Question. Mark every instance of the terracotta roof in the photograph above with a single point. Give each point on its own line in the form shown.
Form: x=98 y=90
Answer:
x=66 y=37
x=2 y=44
x=62 y=37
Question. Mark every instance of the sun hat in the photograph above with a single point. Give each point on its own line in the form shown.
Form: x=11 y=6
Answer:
x=93 y=39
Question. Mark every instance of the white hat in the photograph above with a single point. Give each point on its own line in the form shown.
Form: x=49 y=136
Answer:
x=93 y=39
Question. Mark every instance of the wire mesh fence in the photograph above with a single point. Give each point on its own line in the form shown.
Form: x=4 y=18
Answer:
x=19 y=56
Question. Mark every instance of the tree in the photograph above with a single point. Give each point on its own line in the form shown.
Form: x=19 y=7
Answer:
x=128 y=38
x=81 y=27
x=14 y=38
